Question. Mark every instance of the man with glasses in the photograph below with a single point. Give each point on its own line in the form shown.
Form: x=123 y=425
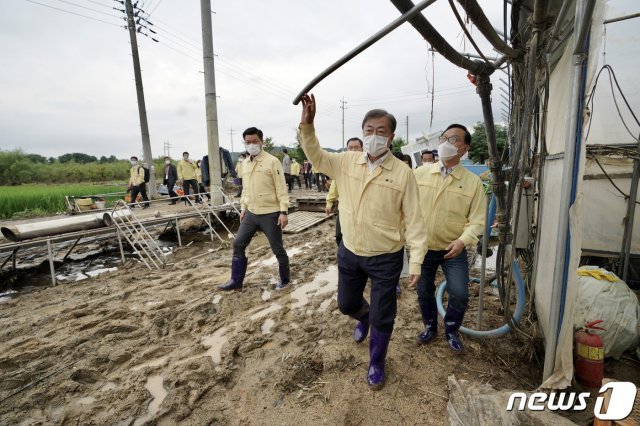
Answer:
x=379 y=214
x=265 y=204
x=452 y=204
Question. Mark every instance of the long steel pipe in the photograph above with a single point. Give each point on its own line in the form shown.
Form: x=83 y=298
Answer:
x=408 y=14
x=47 y=228
x=479 y=19
x=431 y=35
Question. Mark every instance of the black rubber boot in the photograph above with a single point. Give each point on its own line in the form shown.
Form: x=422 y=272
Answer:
x=238 y=270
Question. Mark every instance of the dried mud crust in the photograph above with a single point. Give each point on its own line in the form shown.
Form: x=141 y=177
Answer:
x=160 y=347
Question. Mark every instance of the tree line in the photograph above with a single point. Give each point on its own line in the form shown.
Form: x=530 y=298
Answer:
x=17 y=167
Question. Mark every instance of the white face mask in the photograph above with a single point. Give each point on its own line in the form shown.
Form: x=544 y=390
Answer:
x=185 y=158
x=134 y=162
x=446 y=151
x=253 y=148
x=167 y=161
x=427 y=162
x=375 y=145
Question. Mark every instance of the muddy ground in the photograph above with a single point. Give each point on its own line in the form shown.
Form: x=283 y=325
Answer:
x=137 y=347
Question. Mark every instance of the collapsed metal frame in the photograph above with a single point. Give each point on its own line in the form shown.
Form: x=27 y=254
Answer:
x=103 y=233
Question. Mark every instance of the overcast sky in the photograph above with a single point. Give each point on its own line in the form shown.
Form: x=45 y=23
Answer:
x=67 y=81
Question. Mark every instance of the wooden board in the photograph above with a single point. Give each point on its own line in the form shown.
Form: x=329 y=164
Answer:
x=300 y=221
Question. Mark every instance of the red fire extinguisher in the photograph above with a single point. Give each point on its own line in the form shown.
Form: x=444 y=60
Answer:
x=589 y=355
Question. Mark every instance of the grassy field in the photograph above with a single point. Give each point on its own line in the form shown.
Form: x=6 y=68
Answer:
x=38 y=200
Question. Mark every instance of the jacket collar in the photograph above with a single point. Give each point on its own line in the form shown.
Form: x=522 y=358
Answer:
x=386 y=164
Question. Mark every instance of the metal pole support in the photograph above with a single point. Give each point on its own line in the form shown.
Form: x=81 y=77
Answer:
x=51 y=266
x=120 y=245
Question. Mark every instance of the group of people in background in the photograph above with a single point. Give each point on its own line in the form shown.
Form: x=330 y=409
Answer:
x=390 y=216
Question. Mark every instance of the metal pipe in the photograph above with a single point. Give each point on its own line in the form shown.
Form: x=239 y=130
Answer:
x=483 y=264
x=555 y=32
x=630 y=218
x=120 y=245
x=561 y=249
x=71 y=249
x=178 y=232
x=51 y=266
x=431 y=35
x=47 y=228
x=622 y=18
x=479 y=19
x=415 y=10
x=584 y=29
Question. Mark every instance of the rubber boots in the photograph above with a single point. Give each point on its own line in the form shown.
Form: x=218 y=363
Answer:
x=378 y=344
x=430 y=320
x=362 y=327
x=285 y=274
x=238 y=270
x=452 y=322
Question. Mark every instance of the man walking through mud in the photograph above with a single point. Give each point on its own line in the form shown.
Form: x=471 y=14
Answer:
x=452 y=202
x=379 y=214
x=265 y=204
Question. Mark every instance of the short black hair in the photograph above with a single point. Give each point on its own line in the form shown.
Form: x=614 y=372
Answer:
x=377 y=113
x=355 y=139
x=467 y=135
x=242 y=154
x=427 y=152
x=134 y=158
x=435 y=153
x=185 y=153
x=285 y=150
x=252 y=131
x=407 y=157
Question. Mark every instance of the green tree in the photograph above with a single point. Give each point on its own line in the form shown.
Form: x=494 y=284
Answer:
x=268 y=144
x=397 y=144
x=479 y=152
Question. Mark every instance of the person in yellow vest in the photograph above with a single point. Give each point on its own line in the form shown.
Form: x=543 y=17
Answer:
x=265 y=205
x=453 y=205
x=295 y=173
x=187 y=171
x=379 y=214
x=136 y=183
x=241 y=159
x=353 y=145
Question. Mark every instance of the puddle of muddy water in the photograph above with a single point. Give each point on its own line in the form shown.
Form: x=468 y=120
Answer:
x=151 y=363
x=215 y=342
x=272 y=260
x=156 y=388
x=267 y=325
x=324 y=282
x=266 y=311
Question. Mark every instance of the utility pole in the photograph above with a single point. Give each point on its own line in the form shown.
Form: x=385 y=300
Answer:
x=144 y=126
x=343 y=107
x=215 y=173
x=167 y=149
x=231 y=132
x=407 y=122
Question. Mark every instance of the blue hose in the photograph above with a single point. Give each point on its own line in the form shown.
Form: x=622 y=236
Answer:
x=496 y=332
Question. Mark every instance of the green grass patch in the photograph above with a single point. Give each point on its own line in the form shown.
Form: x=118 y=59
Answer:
x=38 y=200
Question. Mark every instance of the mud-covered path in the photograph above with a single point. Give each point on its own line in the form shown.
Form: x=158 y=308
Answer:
x=165 y=347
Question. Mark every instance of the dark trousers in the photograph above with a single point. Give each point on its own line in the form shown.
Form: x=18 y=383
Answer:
x=297 y=179
x=321 y=180
x=289 y=179
x=204 y=191
x=239 y=187
x=267 y=223
x=193 y=184
x=308 y=180
x=384 y=272
x=171 y=192
x=456 y=272
x=338 y=229
x=142 y=190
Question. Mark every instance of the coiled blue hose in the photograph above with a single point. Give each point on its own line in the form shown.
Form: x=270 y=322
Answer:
x=496 y=332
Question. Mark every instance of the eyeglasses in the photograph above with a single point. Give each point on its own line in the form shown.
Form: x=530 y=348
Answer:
x=451 y=139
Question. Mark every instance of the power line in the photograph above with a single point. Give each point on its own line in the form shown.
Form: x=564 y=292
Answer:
x=84 y=7
x=155 y=7
x=73 y=13
x=98 y=3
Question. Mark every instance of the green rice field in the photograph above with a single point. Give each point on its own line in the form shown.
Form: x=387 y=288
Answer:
x=39 y=200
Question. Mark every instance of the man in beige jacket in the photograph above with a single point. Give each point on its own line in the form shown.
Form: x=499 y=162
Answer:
x=379 y=214
x=265 y=205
